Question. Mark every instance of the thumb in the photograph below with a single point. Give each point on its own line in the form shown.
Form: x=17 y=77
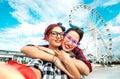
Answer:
x=56 y=52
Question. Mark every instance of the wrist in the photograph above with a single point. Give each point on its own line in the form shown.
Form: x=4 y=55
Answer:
x=54 y=59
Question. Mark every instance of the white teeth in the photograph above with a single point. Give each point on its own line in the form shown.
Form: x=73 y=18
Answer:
x=67 y=46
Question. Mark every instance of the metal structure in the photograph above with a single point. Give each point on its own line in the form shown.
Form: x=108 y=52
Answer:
x=6 y=55
x=97 y=33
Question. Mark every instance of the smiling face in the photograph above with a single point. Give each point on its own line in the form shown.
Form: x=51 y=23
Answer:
x=70 y=41
x=55 y=37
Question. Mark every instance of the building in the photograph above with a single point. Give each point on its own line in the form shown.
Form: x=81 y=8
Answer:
x=6 y=55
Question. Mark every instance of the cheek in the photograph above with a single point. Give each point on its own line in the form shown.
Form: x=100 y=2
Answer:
x=66 y=46
x=72 y=47
x=55 y=41
x=50 y=38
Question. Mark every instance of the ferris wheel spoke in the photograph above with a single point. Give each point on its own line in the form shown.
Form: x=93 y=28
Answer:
x=93 y=18
x=93 y=24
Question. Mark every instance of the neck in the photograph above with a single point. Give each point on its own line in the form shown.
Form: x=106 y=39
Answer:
x=51 y=47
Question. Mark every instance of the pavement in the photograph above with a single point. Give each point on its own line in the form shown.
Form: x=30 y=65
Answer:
x=104 y=72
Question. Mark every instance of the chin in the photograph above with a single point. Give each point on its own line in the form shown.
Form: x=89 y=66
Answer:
x=58 y=45
x=65 y=49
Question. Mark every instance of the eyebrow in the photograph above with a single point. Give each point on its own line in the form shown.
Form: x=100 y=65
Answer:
x=71 y=37
x=56 y=31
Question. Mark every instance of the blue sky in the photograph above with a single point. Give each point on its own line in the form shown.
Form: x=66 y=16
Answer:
x=23 y=22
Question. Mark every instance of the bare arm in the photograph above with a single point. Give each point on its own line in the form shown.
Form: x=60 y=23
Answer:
x=44 y=54
x=81 y=62
x=5 y=72
x=69 y=63
x=82 y=67
x=34 y=52
x=47 y=50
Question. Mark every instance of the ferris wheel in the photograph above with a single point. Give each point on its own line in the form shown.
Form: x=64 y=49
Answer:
x=97 y=35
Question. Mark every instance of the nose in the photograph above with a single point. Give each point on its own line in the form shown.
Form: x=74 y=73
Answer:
x=70 y=43
x=58 y=36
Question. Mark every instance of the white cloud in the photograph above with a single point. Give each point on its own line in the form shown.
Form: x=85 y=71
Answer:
x=111 y=2
x=30 y=29
x=116 y=45
x=35 y=15
x=47 y=11
x=104 y=3
x=115 y=30
x=97 y=3
x=118 y=19
x=22 y=35
x=115 y=25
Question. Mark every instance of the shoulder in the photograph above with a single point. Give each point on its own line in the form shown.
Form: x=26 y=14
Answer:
x=44 y=45
x=37 y=45
x=76 y=49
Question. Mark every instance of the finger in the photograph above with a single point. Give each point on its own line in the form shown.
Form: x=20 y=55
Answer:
x=56 y=52
x=63 y=51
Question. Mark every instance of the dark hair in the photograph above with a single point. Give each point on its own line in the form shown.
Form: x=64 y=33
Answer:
x=50 y=27
x=78 y=31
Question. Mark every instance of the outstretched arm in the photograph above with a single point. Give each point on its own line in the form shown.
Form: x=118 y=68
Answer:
x=5 y=72
x=46 y=50
x=34 y=52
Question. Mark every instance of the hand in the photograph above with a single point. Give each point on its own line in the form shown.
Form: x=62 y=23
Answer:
x=60 y=65
x=62 y=55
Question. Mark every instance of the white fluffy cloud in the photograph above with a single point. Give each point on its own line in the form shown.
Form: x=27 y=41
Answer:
x=111 y=2
x=35 y=15
x=115 y=25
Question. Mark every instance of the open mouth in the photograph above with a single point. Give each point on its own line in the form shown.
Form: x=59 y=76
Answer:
x=66 y=46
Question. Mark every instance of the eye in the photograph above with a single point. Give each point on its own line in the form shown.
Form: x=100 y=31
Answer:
x=74 y=41
x=53 y=33
x=61 y=34
x=69 y=37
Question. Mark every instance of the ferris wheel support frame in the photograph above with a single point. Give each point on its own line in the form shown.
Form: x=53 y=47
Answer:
x=108 y=45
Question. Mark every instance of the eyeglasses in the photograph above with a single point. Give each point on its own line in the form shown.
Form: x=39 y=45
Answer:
x=55 y=33
x=75 y=42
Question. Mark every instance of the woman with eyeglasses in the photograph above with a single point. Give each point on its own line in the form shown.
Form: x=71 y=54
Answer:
x=55 y=38
x=54 y=35
x=70 y=44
